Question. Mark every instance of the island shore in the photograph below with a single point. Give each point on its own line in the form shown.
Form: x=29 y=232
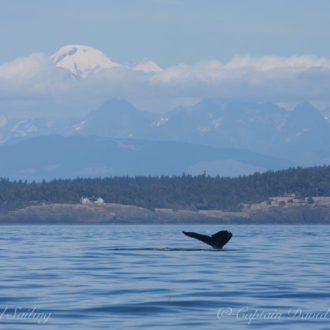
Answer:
x=276 y=210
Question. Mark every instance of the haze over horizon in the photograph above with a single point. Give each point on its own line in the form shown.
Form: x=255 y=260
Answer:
x=167 y=53
x=77 y=79
x=196 y=75
x=167 y=31
x=128 y=125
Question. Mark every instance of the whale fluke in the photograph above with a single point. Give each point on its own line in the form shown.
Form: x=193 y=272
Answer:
x=217 y=241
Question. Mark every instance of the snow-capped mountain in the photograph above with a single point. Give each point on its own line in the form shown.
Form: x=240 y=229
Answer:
x=82 y=60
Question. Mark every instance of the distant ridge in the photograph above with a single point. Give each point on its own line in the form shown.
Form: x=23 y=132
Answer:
x=54 y=156
x=301 y=135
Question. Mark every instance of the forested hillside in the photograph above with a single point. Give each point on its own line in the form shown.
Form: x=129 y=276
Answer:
x=178 y=192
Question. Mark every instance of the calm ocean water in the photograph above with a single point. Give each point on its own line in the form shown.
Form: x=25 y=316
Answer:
x=88 y=277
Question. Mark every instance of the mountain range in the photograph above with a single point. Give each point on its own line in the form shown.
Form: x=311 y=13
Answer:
x=219 y=136
x=214 y=136
x=301 y=135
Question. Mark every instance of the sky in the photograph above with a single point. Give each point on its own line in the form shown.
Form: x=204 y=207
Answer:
x=274 y=51
x=167 y=31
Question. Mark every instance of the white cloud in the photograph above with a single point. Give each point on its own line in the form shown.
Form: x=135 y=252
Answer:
x=242 y=67
x=269 y=78
x=34 y=75
x=24 y=67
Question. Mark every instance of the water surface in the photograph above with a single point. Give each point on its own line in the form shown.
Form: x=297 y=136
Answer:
x=267 y=277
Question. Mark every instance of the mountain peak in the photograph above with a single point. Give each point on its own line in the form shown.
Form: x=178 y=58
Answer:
x=82 y=60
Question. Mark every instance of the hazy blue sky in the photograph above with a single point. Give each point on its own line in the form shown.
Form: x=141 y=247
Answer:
x=260 y=50
x=167 y=31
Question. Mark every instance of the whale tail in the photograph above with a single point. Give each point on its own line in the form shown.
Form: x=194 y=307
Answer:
x=217 y=241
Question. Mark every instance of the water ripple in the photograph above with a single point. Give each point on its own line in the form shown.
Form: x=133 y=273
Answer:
x=77 y=277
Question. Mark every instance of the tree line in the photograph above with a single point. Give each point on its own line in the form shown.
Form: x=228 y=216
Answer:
x=176 y=192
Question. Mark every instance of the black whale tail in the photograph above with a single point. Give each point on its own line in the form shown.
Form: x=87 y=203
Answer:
x=217 y=240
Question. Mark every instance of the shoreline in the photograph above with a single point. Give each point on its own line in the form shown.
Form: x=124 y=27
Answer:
x=277 y=210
